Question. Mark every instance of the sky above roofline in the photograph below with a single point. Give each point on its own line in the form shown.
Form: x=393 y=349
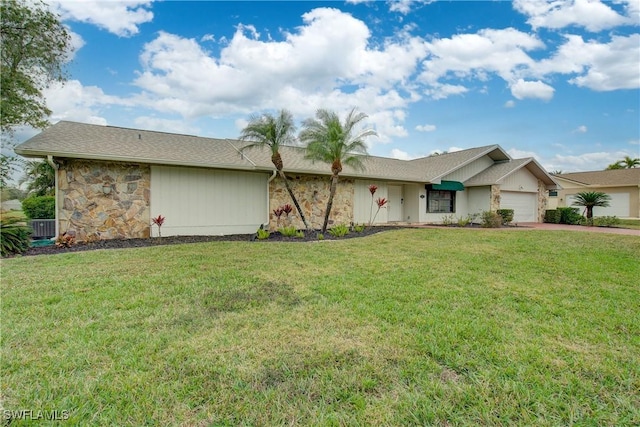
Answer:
x=558 y=81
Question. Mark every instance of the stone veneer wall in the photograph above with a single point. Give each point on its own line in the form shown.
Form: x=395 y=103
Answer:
x=543 y=200
x=84 y=209
x=312 y=193
x=494 y=203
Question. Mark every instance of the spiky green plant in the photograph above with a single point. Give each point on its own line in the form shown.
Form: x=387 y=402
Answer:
x=14 y=236
x=591 y=199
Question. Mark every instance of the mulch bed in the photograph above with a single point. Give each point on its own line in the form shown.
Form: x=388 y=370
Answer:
x=174 y=240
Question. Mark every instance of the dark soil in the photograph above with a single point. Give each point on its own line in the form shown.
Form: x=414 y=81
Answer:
x=174 y=240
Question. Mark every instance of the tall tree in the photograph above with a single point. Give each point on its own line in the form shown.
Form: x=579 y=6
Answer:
x=274 y=132
x=591 y=199
x=331 y=141
x=35 y=47
x=626 y=163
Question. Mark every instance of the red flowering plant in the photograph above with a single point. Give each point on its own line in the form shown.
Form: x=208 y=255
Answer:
x=372 y=190
x=287 y=209
x=382 y=203
x=159 y=220
x=278 y=213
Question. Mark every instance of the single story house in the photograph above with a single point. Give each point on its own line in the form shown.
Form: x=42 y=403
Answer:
x=112 y=181
x=622 y=185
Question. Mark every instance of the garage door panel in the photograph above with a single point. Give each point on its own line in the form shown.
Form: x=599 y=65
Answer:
x=524 y=205
x=207 y=202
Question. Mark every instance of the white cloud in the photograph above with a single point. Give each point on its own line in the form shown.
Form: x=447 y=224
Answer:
x=166 y=125
x=523 y=89
x=300 y=71
x=556 y=14
x=406 y=6
x=598 y=66
x=475 y=55
x=118 y=17
x=580 y=129
x=73 y=101
x=426 y=128
x=510 y=104
x=584 y=162
x=400 y=155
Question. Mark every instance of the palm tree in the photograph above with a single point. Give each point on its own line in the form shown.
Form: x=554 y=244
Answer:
x=40 y=178
x=629 y=163
x=273 y=132
x=590 y=199
x=333 y=142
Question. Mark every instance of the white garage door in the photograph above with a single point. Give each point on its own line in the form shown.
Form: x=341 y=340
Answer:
x=207 y=202
x=619 y=205
x=524 y=205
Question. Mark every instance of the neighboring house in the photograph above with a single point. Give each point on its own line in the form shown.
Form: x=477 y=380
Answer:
x=111 y=181
x=11 y=205
x=622 y=185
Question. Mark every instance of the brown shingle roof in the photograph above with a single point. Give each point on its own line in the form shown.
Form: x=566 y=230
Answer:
x=605 y=178
x=84 y=141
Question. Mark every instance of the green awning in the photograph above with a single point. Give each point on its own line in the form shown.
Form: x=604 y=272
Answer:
x=449 y=186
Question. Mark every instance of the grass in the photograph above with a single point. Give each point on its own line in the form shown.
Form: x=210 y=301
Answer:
x=410 y=327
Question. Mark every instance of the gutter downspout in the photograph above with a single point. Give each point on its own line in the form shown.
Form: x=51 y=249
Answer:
x=271 y=178
x=55 y=168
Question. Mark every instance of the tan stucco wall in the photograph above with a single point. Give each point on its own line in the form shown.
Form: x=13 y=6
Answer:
x=312 y=193
x=84 y=208
x=633 y=192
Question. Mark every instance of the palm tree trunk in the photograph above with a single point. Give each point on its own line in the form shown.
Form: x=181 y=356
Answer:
x=293 y=198
x=332 y=192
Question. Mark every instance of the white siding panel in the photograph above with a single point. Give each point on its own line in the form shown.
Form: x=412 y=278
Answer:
x=619 y=205
x=521 y=180
x=207 y=202
x=478 y=200
x=362 y=208
x=472 y=169
x=524 y=205
x=412 y=202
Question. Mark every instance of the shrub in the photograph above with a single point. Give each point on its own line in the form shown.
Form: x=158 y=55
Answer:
x=299 y=234
x=552 y=216
x=606 y=221
x=570 y=216
x=490 y=219
x=14 y=236
x=339 y=230
x=506 y=214
x=289 y=231
x=39 y=207
x=463 y=222
x=448 y=219
x=320 y=236
x=263 y=234
x=358 y=228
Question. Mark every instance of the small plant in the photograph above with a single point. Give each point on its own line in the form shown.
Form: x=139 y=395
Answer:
x=14 y=236
x=289 y=231
x=372 y=190
x=358 y=228
x=262 y=234
x=382 y=203
x=463 y=222
x=506 y=214
x=278 y=213
x=320 y=236
x=299 y=234
x=490 y=219
x=448 y=219
x=66 y=240
x=339 y=230
x=606 y=221
x=159 y=220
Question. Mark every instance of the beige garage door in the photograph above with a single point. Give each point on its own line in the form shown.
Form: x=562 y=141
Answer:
x=524 y=205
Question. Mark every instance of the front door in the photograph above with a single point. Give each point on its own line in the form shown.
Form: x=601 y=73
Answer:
x=395 y=203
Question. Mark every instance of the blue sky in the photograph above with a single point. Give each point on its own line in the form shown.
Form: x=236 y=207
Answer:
x=558 y=81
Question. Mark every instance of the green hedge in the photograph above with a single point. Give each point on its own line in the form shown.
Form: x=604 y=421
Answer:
x=39 y=207
x=552 y=216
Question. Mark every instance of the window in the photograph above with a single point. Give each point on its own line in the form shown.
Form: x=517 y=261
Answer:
x=553 y=193
x=439 y=201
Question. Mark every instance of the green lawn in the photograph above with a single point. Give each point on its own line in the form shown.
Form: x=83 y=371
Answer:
x=411 y=327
